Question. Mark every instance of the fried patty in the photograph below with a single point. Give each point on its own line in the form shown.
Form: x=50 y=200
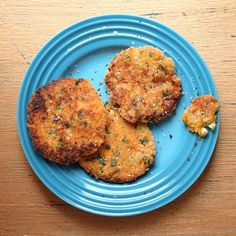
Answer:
x=66 y=120
x=127 y=153
x=142 y=85
x=201 y=114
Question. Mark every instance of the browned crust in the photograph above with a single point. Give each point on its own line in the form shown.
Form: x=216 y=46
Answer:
x=142 y=85
x=200 y=113
x=128 y=151
x=66 y=120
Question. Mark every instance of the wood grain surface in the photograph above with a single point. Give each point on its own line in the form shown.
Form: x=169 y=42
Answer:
x=27 y=207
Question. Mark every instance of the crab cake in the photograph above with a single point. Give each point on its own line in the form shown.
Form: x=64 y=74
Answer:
x=201 y=114
x=142 y=85
x=66 y=120
x=127 y=153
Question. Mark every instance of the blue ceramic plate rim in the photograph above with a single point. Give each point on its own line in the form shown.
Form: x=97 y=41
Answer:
x=64 y=197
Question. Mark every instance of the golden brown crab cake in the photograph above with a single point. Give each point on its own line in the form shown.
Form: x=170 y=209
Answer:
x=142 y=84
x=127 y=153
x=66 y=120
x=201 y=114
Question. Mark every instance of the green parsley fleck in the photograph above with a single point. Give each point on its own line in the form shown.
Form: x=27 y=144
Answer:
x=161 y=68
x=107 y=130
x=51 y=131
x=146 y=160
x=74 y=121
x=125 y=57
x=124 y=139
x=113 y=162
x=117 y=154
x=59 y=145
x=138 y=100
x=102 y=160
x=143 y=140
x=58 y=106
x=139 y=128
x=151 y=54
x=202 y=113
x=80 y=114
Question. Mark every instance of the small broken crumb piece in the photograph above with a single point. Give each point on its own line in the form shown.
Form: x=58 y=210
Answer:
x=201 y=114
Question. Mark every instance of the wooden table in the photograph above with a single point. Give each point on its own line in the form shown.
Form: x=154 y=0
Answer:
x=27 y=207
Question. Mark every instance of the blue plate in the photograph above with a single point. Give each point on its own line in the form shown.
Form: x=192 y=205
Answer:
x=85 y=50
